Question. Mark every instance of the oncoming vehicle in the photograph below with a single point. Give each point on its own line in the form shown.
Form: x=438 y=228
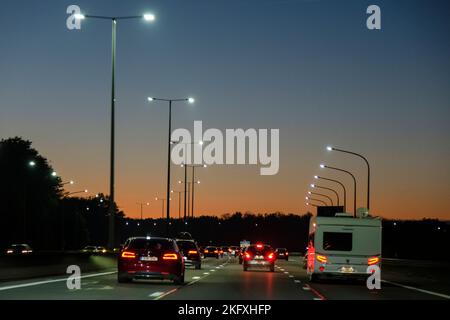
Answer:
x=211 y=251
x=282 y=253
x=343 y=246
x=150 y=258
x=19 y=249
x=259 y=256
x=191 y=253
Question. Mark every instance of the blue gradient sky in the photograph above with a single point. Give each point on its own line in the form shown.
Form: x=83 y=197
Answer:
x=310 y=68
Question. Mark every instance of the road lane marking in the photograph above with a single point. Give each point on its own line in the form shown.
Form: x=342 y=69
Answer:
x=291 y=276
x=205 y=272
x=417 y=289
x=37 y=283
x=286 y=272
x=195 y=278
x=155 y=294
x=306 y=288
x=297 y=281
x=318 y=295
x=165 y=294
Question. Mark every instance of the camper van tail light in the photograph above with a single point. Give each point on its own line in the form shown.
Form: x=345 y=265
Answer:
x=270 y=256
x=373 y=260
x=321 y=259
x=248 y=256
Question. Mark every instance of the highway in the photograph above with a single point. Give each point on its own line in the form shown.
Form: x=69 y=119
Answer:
x=224 y=279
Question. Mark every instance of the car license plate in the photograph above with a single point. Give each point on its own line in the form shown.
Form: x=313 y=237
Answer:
x=259 y=257
x=347 y=270
x=149 y=258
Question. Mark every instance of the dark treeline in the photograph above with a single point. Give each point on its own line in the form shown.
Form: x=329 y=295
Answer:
x=36 y=210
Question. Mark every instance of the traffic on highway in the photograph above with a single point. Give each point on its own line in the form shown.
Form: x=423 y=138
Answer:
x=207 y=159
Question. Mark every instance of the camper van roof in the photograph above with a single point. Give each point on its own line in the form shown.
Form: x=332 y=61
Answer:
x=373 y=222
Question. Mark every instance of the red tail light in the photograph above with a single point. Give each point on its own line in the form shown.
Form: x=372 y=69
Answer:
x=373 y=260
x=287 y=253
x=170 y=256
x=321 y=259
x=206 y=251
x=192 y=252
x=128 y=255
x=271 y=256
x=248 y=256
x=216 y=251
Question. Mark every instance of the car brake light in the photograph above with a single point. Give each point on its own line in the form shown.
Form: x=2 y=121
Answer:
x=215 y=251
x=270 y=256
x=373 y=260
x=170 y=256
x=192 y=252
x=259 y=246
x=128 y=255
x=247 y=256
x=206 y=251
x=321 y=259
x=287 y=253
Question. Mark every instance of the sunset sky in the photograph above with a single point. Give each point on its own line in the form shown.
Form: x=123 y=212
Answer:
x=309 y=68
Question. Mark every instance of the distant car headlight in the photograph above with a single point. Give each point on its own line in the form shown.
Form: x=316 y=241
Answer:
x=9 y=251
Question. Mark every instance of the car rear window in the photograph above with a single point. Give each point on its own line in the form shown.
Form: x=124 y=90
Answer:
x=337 y=241
x=256 y=250
x=151 y=244
x=186 y=245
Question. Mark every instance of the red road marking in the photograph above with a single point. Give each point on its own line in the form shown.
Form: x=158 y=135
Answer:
x=321 y=297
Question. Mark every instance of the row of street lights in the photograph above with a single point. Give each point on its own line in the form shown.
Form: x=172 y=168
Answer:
x=324 y=166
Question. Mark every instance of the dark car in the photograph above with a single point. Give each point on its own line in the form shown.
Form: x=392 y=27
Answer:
x=241 y=254
x=150 y=258
x=191 y=253
x=19 y=249
x=211 y=251
x=259 y=256
x=282 y=253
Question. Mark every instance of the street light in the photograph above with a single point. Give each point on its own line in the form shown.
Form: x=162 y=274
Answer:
x=68 y=182
x=354 y=183
x=141 y=204
x=329 y=148
x=185 y=170
x=318 y=200
x=326 y=188
x=179 y=201
x=338 y=182
x=321 y=195
x=170 y=101
x=312 y=205
x=193 y=179
x=147 y=17
x=31 y=163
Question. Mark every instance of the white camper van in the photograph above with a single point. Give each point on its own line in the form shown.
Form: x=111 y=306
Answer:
x=343 y=246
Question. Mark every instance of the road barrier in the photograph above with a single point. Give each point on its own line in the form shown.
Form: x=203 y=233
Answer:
x=52 y=263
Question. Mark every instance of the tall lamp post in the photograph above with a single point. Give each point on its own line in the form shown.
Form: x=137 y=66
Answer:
x=141 y=204
x=338 y=182
x=146 y=17
x=193 y=184
x=170 y=101
x=326 y=188
x=162 y=205
x=317 y=200
x=354 y=183
x=321 y=195
x=329 y=148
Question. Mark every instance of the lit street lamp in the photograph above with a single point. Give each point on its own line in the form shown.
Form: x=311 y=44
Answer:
x=321 y=195
x=338 y=182
x=146 y=17
x=318 y=200
x=329 y=148
x=354 y=183
x=170 y=101
x=141 y=204
x=326 y=188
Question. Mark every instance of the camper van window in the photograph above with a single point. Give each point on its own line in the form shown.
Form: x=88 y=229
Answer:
x=337 y=241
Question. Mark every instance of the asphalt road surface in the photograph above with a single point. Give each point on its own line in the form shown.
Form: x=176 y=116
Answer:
x=224 y=279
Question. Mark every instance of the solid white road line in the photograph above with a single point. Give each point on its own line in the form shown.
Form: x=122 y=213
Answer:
x=195 y=278
x=156 y=294
x=419 y=290
x=37 y=283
